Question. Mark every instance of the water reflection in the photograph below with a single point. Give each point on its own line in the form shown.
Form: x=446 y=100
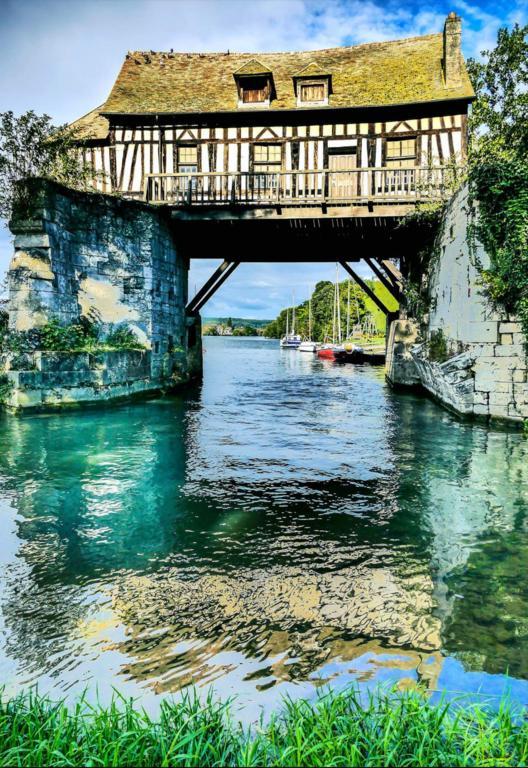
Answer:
x=288 y=525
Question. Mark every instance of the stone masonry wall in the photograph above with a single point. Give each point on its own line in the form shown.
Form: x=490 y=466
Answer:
x=107 y=259
x=485 y=373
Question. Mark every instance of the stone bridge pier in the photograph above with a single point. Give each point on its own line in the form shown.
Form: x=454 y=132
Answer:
x=115 y=263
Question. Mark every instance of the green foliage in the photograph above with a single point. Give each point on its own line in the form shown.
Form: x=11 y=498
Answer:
x=31 y=146
x=122 y=337
x=322 y=310
x=245 y=330
x=499 y=168
x=437 y=347
x=5 y=387
x=499 y=116
x=383 y=728
x=83 y=336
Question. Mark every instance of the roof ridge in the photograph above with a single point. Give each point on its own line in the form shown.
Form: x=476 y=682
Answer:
x=288 y=53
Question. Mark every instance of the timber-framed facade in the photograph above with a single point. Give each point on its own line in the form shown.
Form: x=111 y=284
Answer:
x=342 y=126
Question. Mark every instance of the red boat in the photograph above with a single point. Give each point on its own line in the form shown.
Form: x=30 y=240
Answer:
x=329 y=351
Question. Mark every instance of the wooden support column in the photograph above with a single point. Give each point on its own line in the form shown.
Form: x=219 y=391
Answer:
x=392 y=272
x=392 y=288
x=219 y=276
x=366 y=288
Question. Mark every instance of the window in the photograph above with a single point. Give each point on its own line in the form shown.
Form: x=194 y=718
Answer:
x=268 y=155
x=312 y=92
x=187 y=159
x=267 y=161
x=255 y=90
x=401 y=152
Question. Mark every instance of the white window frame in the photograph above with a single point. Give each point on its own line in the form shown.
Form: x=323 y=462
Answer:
x=312 y=81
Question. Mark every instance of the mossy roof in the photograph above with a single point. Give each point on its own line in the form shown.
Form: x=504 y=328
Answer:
x=252 y=67
x=92 y=125
x=374 y=74
x=313 y=69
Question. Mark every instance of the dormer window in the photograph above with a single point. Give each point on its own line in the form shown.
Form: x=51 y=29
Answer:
x=254 y=84
x=312 y=93
x=312 y=86
x=255 y=90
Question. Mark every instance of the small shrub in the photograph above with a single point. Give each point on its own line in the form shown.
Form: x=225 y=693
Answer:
x=83 y=336
x=5 y=387
x=438 y=347
x=122 y=337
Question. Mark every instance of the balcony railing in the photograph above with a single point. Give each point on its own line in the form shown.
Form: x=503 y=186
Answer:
x=357 y=186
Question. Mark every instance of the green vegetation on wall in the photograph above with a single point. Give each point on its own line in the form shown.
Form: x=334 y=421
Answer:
x=499 y=168
x=83 y=336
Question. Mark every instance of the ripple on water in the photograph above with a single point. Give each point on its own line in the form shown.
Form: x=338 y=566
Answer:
x=288 y=524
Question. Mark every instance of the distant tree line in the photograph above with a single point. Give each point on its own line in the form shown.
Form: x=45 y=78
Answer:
x=322 y=312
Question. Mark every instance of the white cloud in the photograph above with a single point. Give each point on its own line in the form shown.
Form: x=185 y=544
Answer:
x=61 y=57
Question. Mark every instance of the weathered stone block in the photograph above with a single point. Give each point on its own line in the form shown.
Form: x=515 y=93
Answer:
x=511 y=350
x=510 y=327
x=499 y=398
x=506 y=338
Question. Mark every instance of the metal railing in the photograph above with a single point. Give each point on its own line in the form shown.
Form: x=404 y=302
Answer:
x=360 y=185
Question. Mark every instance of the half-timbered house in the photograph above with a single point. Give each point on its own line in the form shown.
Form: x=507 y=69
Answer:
x=336 y=126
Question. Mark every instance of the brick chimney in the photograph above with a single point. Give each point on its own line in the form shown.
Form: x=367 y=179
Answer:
x=452 y=54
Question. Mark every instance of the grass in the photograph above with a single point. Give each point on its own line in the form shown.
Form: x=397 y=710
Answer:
x=386 y=729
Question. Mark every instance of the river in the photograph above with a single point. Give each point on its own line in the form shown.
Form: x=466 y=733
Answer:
x=287 y=525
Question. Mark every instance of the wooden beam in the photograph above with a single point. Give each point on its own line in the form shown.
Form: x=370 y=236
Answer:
x=366 y=288
x=393 y=272
x=218 y=277
x=389 y=285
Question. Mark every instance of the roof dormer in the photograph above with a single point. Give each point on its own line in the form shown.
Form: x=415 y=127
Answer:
x=312 y=86
x=255 y=85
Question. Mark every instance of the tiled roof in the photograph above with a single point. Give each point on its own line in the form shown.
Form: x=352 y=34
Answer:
x=313 y=69
x=252 y=67
x=92 y=125
x=375 y=74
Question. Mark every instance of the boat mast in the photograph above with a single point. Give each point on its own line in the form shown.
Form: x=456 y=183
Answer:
x=287 y=311
x=293 y=314
x=348 y=310
x=334 y=316
x=338 y=311
x=310 y=318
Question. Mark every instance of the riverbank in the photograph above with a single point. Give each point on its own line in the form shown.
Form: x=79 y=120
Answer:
x=396 y=729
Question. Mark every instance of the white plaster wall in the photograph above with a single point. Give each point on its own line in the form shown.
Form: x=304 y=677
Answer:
x=458 y=304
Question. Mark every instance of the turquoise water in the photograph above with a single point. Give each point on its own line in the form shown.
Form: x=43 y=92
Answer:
x=286 y=525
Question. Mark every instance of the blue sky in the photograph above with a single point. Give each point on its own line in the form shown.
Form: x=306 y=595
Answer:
x=62 y=56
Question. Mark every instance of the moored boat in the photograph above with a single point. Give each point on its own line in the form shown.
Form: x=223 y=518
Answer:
x=308 y=345
x=291 y=340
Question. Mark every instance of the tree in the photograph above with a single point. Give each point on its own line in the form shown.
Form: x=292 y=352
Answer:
x=31 y=146
x=499 y=116
x=498 y=172
x=322 y=311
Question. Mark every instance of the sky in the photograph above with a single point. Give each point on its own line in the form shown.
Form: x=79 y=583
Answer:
x=61 y=57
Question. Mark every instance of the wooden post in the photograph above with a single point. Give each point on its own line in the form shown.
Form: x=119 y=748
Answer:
x=390 y=286
x=219 y=276
x=366 y=288
x=392 y=272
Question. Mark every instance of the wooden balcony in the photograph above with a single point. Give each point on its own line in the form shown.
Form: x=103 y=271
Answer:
x=294 y=189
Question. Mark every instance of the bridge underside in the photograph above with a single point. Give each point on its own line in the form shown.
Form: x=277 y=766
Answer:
x=379 y=241
x=301 y=239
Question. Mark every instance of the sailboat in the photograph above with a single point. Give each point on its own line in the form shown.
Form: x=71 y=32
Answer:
x=308 y=345
x=291 y=340
x=332 y=351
